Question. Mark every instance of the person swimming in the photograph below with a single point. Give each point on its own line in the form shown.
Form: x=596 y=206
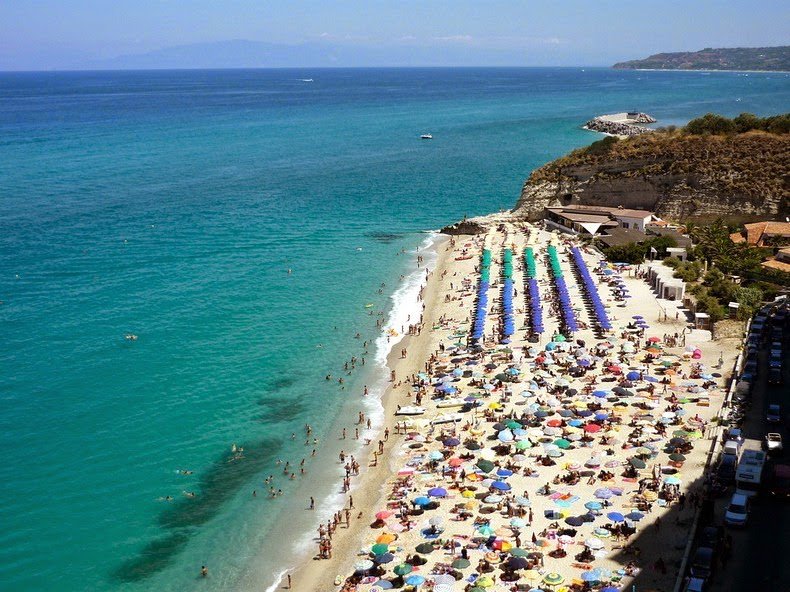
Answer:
x=130 y=337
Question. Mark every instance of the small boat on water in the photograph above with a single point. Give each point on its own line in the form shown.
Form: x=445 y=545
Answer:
x=426 y=137
x=410 y=410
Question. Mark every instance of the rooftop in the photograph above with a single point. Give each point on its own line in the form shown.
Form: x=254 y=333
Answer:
x=628 y=213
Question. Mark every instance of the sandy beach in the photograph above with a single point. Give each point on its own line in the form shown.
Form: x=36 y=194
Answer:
x=559 y=461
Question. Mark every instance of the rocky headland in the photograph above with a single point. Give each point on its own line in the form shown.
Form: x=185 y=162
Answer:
x=677 y=174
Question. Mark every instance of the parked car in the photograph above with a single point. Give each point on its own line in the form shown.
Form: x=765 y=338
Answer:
x=774 y=414
x=737 y=511
x=726 y=469
x=702 y=563
x=709 y=537
x=775 y=376
x=695 y=585
x=773 y=443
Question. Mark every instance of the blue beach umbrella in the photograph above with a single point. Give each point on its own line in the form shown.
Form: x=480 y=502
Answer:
x=437 y=492
x=414 y=580
x=615 y=517
x=421 y=501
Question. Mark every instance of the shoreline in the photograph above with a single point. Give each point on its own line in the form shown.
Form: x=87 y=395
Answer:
x=314 y=574
x=702 y=70
x=370 y=492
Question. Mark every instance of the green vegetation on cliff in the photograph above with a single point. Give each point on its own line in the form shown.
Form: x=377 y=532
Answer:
x=742 y=164
x=726 y=58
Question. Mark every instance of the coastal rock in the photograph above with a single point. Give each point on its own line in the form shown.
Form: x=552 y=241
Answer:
x=680 y=177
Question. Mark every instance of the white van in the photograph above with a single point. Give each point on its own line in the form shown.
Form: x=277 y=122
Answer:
x=737 y=511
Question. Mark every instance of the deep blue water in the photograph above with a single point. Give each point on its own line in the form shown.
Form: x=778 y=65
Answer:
x=171 y=205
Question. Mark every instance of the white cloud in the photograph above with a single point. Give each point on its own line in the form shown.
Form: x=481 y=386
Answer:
x=455 y=38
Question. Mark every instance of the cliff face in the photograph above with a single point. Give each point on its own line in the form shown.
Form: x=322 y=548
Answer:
x=741 y=177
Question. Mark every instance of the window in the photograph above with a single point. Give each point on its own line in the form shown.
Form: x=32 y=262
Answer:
x=625 y=224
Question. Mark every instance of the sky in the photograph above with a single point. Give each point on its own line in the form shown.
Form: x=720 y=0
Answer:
x=67 y=34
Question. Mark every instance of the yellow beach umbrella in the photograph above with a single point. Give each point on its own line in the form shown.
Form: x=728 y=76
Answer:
x=386 y=538
x=467 y=493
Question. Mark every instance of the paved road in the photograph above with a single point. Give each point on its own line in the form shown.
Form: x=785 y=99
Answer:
x=761 y=552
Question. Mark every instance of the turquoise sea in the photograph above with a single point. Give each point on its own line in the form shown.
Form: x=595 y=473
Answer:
x=171 y=205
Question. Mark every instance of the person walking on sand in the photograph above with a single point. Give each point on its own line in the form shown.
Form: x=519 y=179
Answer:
x=289 y=581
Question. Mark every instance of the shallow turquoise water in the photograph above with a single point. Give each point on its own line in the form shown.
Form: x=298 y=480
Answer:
x=170 y=205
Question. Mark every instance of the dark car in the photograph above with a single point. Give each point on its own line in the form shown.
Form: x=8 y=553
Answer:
x=726 y=469
x=709 y=537
x=702 y=563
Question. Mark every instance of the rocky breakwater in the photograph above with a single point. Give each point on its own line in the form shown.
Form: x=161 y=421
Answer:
x=620 y=124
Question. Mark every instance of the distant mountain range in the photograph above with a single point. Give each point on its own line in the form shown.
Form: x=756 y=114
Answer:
x=726 y=58
x=259 y=54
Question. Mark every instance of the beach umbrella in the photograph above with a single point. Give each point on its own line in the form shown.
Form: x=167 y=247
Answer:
x=553 y=579
x=402 y=569
x=461 y=563
x=484 y=582
x=386 y=538
x=421 y=501
x=379 y=548
x=414 y=580
x=383 y=585
x=363 y=565
x=603 y=493
x=515 y=563
x=486 y=530
x=615 y=517
x=383 y=515
x=504 y=472
x=672 y=480
x=637 y=463
x=425 y=548
x=677 y=457
x=522 y=501
x=592 y=428
x=562 y=443
x=436 y=455
x=493 y=499
x=436 y=521
x=590 y=575
x=610 y=589
x=437 y=492
x=501 y=486
x=594 y=543
x=632 y=376
x=635 y=516
x=593 y=505
x=384 y=558
x=485 y=465
x=574 y=520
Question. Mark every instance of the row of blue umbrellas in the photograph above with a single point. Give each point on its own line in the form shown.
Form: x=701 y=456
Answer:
x=562 y=291
x=508 y=323
x=589 y=287
x=482 y=296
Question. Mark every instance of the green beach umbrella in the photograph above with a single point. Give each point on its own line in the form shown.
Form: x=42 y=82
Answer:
x=461 y=563
x=560 y=338
x=379 y=549
x=517 y=552
x=523 y=444
x=553 y=579
x=677 y=457
x=402 y=569
x=637 y=463
x=485 y=465
x=513 y=424
x=562 y=443
x=425 y=548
